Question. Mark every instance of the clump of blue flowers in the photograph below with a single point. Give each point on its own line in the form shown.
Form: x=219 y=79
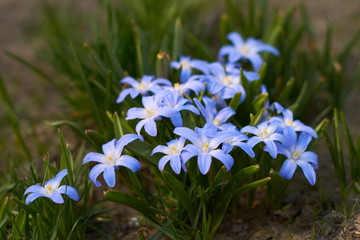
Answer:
x=204 y=132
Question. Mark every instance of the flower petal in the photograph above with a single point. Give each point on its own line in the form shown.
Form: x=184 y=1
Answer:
x=288 y=168
x=109 y=148
x=175 y=163
x=125 y=140
x=226 y=159
x=127 y=161
x=32 y=196
x=271 y=147
x=150 y=128
x=70 y=191
x=204 y=162
x=308 y=171
x=95 y=172
x=94 y=157
x=56 y=197
x=109 y=176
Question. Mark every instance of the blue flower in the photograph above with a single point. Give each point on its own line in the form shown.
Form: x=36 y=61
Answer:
x=234 y=69
x=211 y=115
x=111 y=160
x=52 y=190
x=153 y=110
x=249 y=50
x=183 y=88
x=173 y=153
x=265 y=133
x=223 y=84
x=178 y=103
x=205 y=143
x=186 y=64
x=146 y=84
x=288 y=120
x=295 y=151
x=236 y=139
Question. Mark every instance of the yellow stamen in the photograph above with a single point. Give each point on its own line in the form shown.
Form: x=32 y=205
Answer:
x=109 y=158
x=244 y=48
x=227 y=80
x=48 y=187
x=173 y=148
x=206 y=145
x=142 y=85
x=296 y=154
x=176 y=86
x=265 y=132
x=184 y=64
x=290 y=123
x=217 y=121
x=148 y=111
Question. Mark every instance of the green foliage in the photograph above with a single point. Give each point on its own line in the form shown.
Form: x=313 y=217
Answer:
x=345 y=168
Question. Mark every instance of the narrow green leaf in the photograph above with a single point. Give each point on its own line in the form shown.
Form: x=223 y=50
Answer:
x=286 y=91
x=117 y=126
x=349 y=46
x=177 y=40
x=252 y=185
x=259 y=102
x=132 y=202
x=68 y=158
x=179 y=191
x=235 y=101
x=80 y=131
x=41 y=227
x=17 y=231
x=254 y=120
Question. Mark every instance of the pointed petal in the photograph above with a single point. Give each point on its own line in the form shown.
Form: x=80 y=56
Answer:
x=150 y=128
x=160 y=149
x=308 y=171
x=204 y=162
x=175 y=163
x=56 y=197
x=95 y=172
x=34 y=189
x=256 y=61
x=32 y=196
x=70 y=191
x=226 y=159
x=271 y=147
x=288 y=168
x=235 y=38
x=124 y=93
x=109 y=176
x=310 y=157
x=94 y=157
x=109 y=148
x=177 y=120
x=188 y=134
x=123 y=141
x=127 y=161
x=162 y=162
x=247 y=148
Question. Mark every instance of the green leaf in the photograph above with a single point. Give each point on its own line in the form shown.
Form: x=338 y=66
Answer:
x=17 y=231
x=80 y=131
x=254 y=120
x=177 y=40
x=117 y=126
x=68 y=158
x=235 y=101
x=284 y=95
x=41 y=227
x=259 y=102
x=178 y=189
x=252 y=185
x=132 y=202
